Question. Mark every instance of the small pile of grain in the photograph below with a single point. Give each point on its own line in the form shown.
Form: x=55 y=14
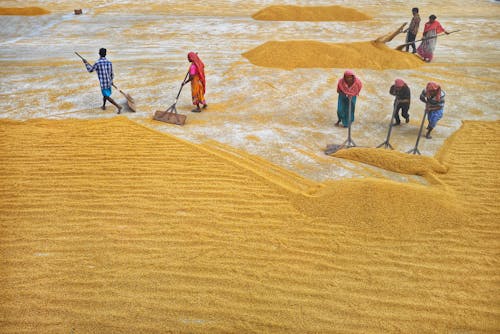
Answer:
x=394 y=161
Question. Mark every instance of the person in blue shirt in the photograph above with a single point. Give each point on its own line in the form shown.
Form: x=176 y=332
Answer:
x=104 y=70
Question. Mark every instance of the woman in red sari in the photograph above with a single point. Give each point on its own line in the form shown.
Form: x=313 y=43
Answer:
x=431 y=30
x=197 y=79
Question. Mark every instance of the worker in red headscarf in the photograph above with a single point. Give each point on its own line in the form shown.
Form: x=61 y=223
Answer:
x=433 y=97
x=402 y=94
x=197 y=79
x=348 y=88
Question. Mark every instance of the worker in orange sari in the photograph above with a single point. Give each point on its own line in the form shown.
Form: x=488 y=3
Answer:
x=197 y=79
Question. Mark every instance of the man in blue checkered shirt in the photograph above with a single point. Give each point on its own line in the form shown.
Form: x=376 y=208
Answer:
x=104 y=70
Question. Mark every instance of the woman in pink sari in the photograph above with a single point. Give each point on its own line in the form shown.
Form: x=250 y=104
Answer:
x=431 y=31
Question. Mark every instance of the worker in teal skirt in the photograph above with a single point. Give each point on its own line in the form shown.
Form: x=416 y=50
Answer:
x=348 y=88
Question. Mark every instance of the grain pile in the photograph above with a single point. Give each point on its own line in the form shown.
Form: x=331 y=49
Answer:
x=25 y=11
x=313 y=13
x=313 y=54
x=106 y=226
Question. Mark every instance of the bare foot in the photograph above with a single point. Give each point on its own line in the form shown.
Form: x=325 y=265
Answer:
x=103 y=107
x=119 y=109
x=205 y=106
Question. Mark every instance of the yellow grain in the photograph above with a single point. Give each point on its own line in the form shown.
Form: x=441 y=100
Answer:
x=24 y=11
x=313 y=54
x=312 y=13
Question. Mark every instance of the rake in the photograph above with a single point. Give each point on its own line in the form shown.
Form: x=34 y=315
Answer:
x=415 y=149
x=348 y=143
x=386 y=143
x=171 y=115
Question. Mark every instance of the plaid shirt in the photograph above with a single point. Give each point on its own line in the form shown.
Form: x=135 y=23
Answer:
x=415 y=22
x=104 y=70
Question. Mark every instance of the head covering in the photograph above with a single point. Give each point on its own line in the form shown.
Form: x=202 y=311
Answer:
x=349 y=73
x=399 y=83
x=193 y=57
x=433 y=87
x=352 y=90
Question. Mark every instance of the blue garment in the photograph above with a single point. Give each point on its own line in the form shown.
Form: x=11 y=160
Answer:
x=434 y=117
x=432 y=101
x=104 y=70
x=343 y=109
x=106 y=92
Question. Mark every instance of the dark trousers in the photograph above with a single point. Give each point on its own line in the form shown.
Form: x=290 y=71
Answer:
x=410 y=38
x=404 y=112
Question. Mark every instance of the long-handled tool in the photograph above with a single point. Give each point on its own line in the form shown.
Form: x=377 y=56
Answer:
x=389 y=37
x=84 y=60
x=130 y=99
x=171 y=113
x=386 y=143
x=348 y=143
x=401 y=47
x=415 y=149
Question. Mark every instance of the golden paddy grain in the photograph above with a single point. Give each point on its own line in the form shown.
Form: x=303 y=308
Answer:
x=312 y=13
x=25 y=11
x=314 y=54
x=107 y=226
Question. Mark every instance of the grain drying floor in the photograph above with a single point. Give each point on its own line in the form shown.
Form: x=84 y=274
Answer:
x=109 y=227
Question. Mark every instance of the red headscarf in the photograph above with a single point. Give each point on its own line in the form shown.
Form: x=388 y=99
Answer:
x=433 y=87
x=398 y=83
x=193 y=57
x=352 y=90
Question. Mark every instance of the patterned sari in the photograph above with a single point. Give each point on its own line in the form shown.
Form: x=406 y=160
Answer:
x=428 y=45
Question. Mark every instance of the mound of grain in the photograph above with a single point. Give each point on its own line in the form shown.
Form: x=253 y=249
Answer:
x=313 y=54
x=24 y=11
x=316 y=13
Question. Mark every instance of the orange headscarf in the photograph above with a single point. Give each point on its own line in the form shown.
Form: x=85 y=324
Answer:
x=433 y=87
x=352 y=90
x=193 y=57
